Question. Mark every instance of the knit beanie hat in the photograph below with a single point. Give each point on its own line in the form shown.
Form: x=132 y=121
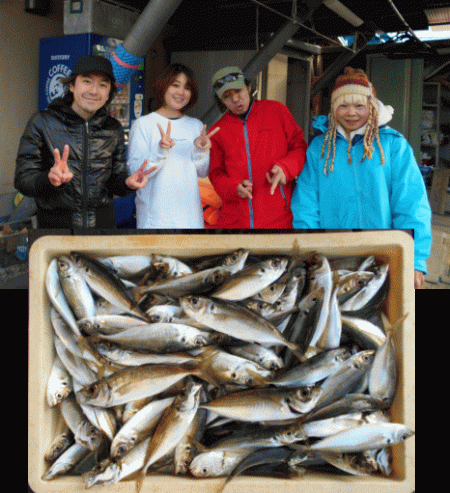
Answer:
x=353 y=82
x=353 y=87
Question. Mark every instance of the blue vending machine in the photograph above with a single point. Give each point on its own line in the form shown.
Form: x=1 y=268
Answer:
x=57 y=59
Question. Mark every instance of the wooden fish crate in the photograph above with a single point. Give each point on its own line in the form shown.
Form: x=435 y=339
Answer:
x=394 y=247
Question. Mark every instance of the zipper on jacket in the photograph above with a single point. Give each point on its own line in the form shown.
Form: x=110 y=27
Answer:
x=249 y=166
x=84 y=177
x=284 y=196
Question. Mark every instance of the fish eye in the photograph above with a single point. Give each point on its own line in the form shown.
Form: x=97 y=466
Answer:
x=249 y=381
x=234 y=375
x=204 y=470
x=195 y=301
x=92 y=389
x=305 y=392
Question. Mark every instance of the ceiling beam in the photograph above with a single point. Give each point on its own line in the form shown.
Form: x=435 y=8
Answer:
x=342 y=60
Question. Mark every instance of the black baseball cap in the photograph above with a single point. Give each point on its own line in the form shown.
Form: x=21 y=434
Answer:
x=93 y=63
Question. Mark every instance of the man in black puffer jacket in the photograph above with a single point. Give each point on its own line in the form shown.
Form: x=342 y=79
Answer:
x=76 y=190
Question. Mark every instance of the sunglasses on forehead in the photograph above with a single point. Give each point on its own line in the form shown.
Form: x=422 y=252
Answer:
x=228 y=78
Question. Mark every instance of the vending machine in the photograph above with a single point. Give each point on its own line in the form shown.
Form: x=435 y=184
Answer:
x=57 y=59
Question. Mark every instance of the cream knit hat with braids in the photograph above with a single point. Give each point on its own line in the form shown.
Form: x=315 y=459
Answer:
x=353 y=87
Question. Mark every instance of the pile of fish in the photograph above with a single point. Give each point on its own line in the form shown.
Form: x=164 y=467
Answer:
x=210 y=366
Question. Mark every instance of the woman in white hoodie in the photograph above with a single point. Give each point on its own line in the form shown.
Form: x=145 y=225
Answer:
x=179 y=146
x=362 y=174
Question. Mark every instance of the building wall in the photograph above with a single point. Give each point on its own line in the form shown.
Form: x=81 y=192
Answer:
x=19 y=52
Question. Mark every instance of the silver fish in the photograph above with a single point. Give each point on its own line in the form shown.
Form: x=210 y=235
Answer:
x=133 y=383
x=364 y=437
x=108 y=324
x=320 y=277
x=57 y=297
x=264 y=356
x=85 y=434
x=173 y=425
x=59 y=445
x=249 y=281
x=72 y=456
x=383 y=373
x=200 y=282
x=160 y=337
x=128 y=357
x=138 y=427
x=363 y=332
x=106 y=284
x=75 y=288
x=59 y=384
x=215 y=463
x=313 y=370
x=228 y=368
x=234 y=320
x=188 y=447
x=110 y=472
x=346 y=378
x=128 y=266
x=265 y=404
x=365 y=296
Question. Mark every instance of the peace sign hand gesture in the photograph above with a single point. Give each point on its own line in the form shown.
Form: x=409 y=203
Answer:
x=166 y=142
x=203 y=142
x=60 y=173
x=139 y=179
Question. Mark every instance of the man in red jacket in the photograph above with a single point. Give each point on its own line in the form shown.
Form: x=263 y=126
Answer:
x=255 y=157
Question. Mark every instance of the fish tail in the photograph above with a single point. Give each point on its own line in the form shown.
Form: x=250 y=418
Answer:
x=295 y=350
x=202 y=371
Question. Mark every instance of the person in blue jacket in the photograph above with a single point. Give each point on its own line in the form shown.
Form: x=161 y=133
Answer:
x=362 y=174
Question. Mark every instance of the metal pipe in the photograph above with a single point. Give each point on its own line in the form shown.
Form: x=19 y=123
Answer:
x=130 y=54
x=148 y=26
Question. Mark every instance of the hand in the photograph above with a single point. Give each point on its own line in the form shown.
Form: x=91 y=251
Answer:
x=277 y=177
x=419 y=279
x=139 y=179
x=245 y=189
x=60 y=173
x=203 y=142
x=166 y=142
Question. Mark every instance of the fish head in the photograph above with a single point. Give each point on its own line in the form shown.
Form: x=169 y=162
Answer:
x=105 y=472
x=66 y=267
x=59 y=395
x=292 y=434
x=277 y=264
x=250 y=374
x=303 y=399
x=403 y=433
x=342 y=354
x=196 y=304
x=96 y=392
x=121 y=446
x=363 y=358
x=236 y=260
x=207 y=464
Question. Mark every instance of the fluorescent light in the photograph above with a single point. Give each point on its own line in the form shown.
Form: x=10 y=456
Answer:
x=342 y=11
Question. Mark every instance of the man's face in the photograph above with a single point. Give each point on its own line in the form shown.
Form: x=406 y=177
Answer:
x=90 y=93
x=237 y=100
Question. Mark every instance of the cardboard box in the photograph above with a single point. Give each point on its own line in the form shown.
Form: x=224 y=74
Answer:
x=394 y=247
